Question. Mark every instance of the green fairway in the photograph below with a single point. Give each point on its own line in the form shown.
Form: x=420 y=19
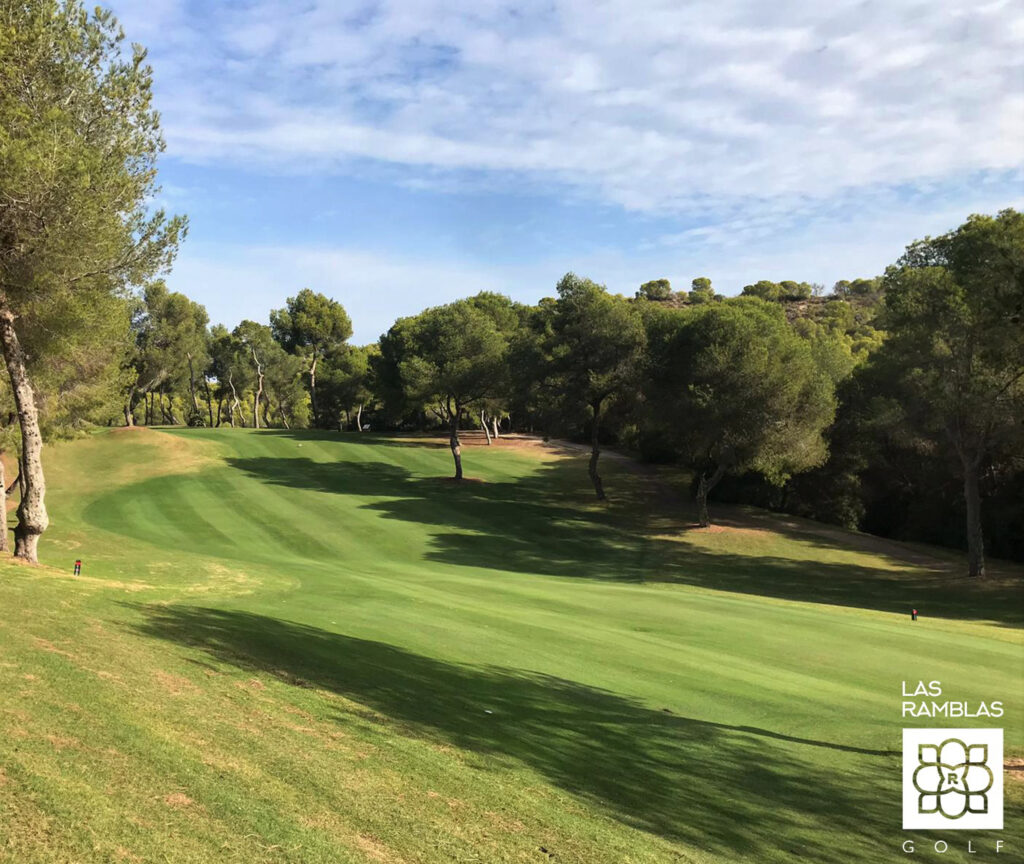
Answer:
x=310 y=647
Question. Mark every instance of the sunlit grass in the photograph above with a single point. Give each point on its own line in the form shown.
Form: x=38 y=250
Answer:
x=311 y=647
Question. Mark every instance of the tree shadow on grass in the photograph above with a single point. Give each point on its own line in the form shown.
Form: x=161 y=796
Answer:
x=738 y=791
x=537 y=525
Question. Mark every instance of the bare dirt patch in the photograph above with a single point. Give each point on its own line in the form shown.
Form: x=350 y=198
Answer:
x=178 y=800
x=173 y=684
x=373 y=848
x=48 y=646
x=63 y=742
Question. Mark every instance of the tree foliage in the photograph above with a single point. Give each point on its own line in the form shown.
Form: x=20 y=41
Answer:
x=737 y=390
x=79 y=139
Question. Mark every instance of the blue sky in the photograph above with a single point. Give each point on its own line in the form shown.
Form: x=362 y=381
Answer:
x=396 y=155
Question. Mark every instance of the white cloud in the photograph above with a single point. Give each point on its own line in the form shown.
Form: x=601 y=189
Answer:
x=376 y=287
x=654 y=106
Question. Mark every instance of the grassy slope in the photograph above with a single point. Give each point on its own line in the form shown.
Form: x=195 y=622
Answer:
x=290 y=647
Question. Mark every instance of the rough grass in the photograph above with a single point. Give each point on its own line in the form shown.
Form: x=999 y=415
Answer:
x=301 y=647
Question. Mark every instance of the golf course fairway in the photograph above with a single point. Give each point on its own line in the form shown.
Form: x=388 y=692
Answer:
x=313 y=647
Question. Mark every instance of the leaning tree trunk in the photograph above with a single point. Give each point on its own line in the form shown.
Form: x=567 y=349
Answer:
x=32 y=517
x=454 y=442
x=704 y=487
x=494 y=425
x=359 y=418
x=595 y=454
x=487 y=432
x=975 y=535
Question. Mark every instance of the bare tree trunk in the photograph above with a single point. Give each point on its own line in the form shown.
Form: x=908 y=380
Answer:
x=192 y=383
x=595 y=454
x=483 y=422
x=259 y=389
x=453 y=439
x=235 y=404
x=494 y=425
x=359 y=418
x=266 y=412
x=704 y=487
x=312 y=390
x=129 y=407
x=975 y=535
x=284 y=417
x=209 y=400
x=4 y=545
x=32 y=517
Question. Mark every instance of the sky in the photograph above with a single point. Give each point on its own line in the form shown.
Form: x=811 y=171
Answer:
x=398 y=155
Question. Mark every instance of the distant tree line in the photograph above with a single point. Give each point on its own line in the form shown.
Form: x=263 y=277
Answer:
x=893 y=404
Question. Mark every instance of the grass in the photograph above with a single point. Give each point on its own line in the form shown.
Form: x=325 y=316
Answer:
x=302 y=647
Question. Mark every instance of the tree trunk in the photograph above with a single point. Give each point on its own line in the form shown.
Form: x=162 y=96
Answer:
x=235 y=404
x=312 y=389
x=192 y=383
x=129 y=408
x=4 y=545
x=266 y=412
x=209 y=400
x=494 y=425
x=32 y=517
x=454 y=442
x=487 y=432
x=359 y=418
x=975 y=536
x=259 y=390
x=284 y=417
x=704 y=487
x=595 y=454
